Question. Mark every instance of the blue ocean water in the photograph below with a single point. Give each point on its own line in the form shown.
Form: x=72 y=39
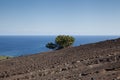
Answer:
x=25 y=45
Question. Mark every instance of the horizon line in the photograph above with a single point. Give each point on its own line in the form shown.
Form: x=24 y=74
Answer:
x=58 y=34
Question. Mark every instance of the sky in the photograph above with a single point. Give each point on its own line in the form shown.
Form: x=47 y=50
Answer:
x=58 y=17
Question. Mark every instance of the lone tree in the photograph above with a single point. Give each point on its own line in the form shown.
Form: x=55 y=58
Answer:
x=61 y=41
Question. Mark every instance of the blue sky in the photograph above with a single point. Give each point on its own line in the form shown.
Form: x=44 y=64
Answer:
x=54 y=17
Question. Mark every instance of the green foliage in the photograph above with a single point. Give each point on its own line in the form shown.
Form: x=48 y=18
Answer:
x=51 y=45
x=64 y=41
x=61 y=41
x=4 y=57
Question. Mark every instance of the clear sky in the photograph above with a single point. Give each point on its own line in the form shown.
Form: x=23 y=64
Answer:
x=54 y=17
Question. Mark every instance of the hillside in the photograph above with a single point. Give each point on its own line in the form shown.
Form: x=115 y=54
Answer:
x=96 y=61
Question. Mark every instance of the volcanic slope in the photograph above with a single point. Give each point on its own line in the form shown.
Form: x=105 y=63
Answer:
x=95 y=61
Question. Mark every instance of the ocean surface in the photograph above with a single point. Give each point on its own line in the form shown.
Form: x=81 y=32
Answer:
x=25 y=45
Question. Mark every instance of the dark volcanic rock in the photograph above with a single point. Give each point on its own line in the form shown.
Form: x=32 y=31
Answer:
x=97 y=61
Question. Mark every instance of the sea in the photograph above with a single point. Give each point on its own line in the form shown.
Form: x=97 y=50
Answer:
x=26 y=45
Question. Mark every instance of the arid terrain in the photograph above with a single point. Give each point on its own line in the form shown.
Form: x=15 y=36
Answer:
x=95 y=61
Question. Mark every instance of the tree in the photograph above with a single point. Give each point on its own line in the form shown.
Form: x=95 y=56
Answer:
x=61 y=41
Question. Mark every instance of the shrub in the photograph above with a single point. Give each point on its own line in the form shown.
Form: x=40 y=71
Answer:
x=61 y=41
x=51 y=45
x=64 y=41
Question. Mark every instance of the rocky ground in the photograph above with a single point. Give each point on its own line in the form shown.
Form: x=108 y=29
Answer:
x=97 y=61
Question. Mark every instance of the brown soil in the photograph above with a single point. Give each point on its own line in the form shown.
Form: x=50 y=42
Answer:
x=97 y=61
